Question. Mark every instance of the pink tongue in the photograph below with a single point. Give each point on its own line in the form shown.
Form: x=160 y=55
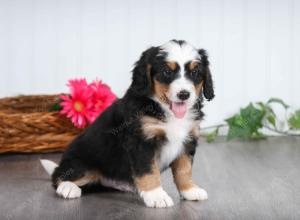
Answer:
x=179 y=109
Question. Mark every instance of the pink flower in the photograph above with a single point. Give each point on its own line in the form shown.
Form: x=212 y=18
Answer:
x=103 y=97
x=86 y=101
x=78 y=106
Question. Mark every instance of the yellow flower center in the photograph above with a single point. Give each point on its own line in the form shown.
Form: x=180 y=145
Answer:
x=78 y=106
x=99 y=103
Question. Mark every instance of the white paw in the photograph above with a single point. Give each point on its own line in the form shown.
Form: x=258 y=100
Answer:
x=68 y=190
x=157 y=198
x=195 y=193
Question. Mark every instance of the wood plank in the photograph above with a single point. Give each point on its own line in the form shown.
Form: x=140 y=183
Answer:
x=244 y=180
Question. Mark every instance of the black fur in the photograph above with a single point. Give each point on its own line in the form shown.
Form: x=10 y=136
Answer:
x=180 y=42
x=114 y=143
x=208 y=89
x=118 y=152
x=141 y=79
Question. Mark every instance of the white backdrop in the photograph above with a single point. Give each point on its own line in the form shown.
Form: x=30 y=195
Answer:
x=254 y=45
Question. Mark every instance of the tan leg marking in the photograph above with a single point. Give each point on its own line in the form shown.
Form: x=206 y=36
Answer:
x=150 y=189
x=89 y=177
x=149 y=181
x=71 y=190
x=182 y=172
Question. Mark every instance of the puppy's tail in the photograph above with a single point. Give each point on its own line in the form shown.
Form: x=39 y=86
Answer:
x=49 y=166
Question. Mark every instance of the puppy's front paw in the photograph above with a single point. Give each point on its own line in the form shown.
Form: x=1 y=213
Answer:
x=68 y=190
x=157 y=198
x=194 y=193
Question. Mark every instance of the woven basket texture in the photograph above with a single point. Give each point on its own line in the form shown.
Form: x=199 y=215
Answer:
x=27 y=126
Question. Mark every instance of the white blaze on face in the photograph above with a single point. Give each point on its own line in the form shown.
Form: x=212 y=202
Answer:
x=181 y=54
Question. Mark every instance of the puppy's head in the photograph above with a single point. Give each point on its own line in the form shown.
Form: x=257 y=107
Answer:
x=175 y=74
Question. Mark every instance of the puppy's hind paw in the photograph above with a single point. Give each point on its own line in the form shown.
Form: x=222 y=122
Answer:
x=194 y=193
x=68 y=190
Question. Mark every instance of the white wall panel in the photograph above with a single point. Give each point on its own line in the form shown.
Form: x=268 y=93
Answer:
x=295 y=51
x=253 y=45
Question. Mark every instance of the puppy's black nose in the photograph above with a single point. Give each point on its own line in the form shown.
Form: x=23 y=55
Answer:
x=183 y=95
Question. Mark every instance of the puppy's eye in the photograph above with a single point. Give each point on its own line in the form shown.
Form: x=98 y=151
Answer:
x=194 y=69
x=167 y=72
x=195 y=73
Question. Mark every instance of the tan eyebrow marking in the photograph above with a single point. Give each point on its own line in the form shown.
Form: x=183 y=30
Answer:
x=172 y=65
x=193 y=65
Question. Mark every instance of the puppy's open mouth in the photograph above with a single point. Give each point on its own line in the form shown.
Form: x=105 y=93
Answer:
x=178 y=108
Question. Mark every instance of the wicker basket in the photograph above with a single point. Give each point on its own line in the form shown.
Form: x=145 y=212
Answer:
x=26 y=125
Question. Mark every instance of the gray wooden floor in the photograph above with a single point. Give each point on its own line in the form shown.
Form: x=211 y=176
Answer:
x=244 y=180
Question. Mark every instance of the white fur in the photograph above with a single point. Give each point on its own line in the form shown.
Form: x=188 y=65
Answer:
x=181 y=54
x=116 y=184
x=156 y=198
x=195 y=193
x=65 y=189
x=68 y=190
x=49 y=166
x=177 y=131
x=182 y=84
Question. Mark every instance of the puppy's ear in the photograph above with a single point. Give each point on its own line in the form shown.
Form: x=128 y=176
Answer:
x=208 y=87
x=141 y=79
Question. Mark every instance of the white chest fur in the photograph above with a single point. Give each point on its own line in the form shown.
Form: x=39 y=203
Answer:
x=177 y=132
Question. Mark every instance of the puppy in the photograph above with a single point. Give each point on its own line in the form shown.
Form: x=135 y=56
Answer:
x=153 y=127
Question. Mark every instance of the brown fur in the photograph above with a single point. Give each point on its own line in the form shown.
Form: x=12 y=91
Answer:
x=195 y=132
x=150 y=181
x=161 y=91
x=193 y=65
x=149 y=73
x=182 y=172
x=172 y=65
x=89 y=177
x=198 y=88
x=152 y=127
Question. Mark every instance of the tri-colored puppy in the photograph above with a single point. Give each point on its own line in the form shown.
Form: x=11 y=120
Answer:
x=153 y=127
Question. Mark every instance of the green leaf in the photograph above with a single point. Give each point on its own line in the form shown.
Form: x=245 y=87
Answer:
x=270 y=114
x=267 y=108
x=294 y=120
x=253 y=117
x=237 y=132
x=55 y=107
x=279 y=101
x=261 y=105
x=271 y=119
x=258 y=136
x=212 y=136
x=246 y=123
x=237 y=128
